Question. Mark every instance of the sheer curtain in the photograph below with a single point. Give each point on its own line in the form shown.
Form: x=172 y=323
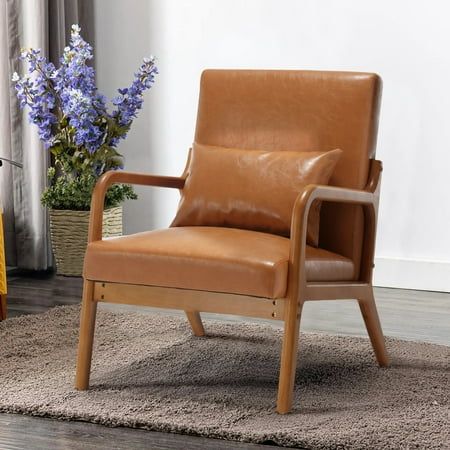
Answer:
x=41 y=24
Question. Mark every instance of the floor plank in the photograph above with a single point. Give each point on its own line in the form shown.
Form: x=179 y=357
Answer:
x=24 y=432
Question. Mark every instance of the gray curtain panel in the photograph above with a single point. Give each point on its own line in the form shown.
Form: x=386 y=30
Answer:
x=41 y=24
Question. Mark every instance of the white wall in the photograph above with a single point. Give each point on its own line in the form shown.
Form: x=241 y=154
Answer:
x=406 y=42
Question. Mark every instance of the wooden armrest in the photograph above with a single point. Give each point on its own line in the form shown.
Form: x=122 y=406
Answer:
x=368 y=196
x=325 y=193
x=118 y=176
x=333 y=194
x=368 y=200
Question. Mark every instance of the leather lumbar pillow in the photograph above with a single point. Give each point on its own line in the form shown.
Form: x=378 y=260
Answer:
x=251 y=189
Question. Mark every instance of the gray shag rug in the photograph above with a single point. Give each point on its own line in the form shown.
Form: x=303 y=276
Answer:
x=150 y=372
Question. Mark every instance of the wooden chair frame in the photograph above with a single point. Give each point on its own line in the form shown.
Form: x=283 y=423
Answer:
x=287 y=309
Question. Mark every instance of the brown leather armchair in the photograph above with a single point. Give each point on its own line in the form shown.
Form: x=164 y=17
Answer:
x=232 y=271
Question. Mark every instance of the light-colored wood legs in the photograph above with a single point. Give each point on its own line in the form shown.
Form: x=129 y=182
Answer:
x=3 y=307
x=290 y=346
x=288 y=359
x=372 y=321
x=196 y=323
x=87 y=326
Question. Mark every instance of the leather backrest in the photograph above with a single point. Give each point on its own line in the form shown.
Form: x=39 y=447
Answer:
x=299 y=111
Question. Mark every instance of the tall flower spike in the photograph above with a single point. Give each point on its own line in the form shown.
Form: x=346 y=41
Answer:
x=130 y=99
x=67 y=108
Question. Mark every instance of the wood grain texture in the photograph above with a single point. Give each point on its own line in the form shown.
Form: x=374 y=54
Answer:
x=35 y=292
x=23 y=432
x=373 y=326
x=189 y=300
x=196 y=322
x=288 y=361
x=87 y=327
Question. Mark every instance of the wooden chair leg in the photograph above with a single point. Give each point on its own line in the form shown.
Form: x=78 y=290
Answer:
x=372 y=321
x=288 y=359
x=86 y=339
x=196 y=323
x=3 y=307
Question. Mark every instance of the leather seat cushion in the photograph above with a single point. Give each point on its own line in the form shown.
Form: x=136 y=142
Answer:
x=210 y=259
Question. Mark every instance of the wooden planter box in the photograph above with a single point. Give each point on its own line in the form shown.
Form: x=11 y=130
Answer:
x=69 y=231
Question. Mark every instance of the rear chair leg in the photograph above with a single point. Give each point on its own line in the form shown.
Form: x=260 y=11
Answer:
x=196 y=322
x=288 y=359
x=372 y=321
x=86 y=339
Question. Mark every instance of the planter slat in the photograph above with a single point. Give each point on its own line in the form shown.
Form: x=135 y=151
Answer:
x=69 y=230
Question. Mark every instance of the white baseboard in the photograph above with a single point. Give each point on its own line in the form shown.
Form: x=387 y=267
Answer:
x=412 y=274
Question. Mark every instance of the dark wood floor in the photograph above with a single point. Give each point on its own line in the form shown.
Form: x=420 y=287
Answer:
x=414 y=315
x=24 y=432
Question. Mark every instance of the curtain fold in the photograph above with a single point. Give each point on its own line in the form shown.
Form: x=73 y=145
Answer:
x=41 y=24
x=9 y=120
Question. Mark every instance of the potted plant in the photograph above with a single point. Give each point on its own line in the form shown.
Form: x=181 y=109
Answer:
x=82 y=134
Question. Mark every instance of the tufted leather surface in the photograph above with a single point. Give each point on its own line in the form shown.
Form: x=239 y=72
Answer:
x=251 y=189
x=305 y=111
x=210 y=259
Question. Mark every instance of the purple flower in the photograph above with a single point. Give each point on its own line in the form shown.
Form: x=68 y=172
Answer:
x=68 y=110
x=130 y=99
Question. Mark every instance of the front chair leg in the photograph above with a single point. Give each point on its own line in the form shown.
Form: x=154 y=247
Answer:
x=370 y=314
x=196 y=322
x=288 y=358
x=86 y=339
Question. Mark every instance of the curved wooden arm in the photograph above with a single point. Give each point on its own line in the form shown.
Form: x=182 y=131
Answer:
x=112 y=177
x=368 y=199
